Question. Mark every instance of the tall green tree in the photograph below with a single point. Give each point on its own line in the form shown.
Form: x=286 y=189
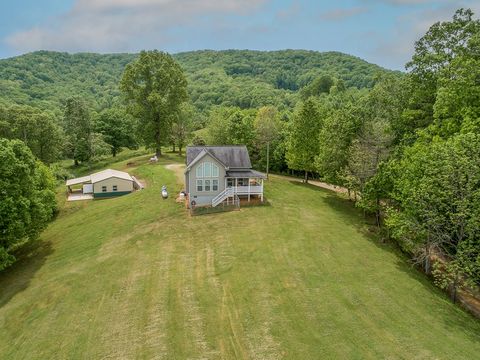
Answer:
x=267 y=130
x=154 y=87
x=183 y=126
x=434 y=53
x=216 y=130
x=342 y=120
x=302 y=146
x=379 y=115
x=231 y=125
x=457 y=105
x=436 y=192
x=368 y=150
x=27 y=199
x=78 y=130
x=118 y=129
x=39 y=130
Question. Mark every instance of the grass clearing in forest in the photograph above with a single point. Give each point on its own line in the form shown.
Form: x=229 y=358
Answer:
x=137 y=277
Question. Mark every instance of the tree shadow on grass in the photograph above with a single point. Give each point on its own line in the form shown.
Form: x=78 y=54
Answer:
x=16 y=278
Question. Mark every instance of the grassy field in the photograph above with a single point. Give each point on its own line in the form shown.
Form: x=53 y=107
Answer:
x=136 y=277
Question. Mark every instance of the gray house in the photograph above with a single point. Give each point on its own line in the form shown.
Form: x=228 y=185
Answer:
x=217 y=174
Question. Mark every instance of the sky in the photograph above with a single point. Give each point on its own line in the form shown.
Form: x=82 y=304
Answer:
x=380 y=31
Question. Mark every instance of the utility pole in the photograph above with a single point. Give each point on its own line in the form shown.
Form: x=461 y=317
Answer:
x=268 y=156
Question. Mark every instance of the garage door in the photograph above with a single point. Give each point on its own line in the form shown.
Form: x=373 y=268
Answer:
x=88 y=188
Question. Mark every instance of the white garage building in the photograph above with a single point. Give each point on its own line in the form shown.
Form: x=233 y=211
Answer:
x=103 y=184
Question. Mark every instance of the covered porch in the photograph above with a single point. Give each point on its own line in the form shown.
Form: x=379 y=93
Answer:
x=245 y=184
x=79 y=189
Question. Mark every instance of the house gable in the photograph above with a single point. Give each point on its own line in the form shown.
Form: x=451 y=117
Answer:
x=191 y=178
x=200 y=156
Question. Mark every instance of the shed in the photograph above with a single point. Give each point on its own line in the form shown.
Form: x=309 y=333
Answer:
x=106 y=183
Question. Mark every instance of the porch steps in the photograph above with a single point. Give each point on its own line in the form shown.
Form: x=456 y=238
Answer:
x=228 y=192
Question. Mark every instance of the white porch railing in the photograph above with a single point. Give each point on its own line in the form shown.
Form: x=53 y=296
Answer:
x=237 y=190
x=245 y=190
x=228 y=192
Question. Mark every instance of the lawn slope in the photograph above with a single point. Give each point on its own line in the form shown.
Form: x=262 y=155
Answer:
x=136 y=277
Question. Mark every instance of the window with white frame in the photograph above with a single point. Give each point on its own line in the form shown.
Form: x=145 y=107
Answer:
x=206 y=174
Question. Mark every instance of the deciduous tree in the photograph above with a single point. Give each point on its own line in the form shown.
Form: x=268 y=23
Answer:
x=78 y=130
x=183 y=126
x=118 y=129
x=267 y=129
x=154 y=87
x=302 y=144
x=27 y=199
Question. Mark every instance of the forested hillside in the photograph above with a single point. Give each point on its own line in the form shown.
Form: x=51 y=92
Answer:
x=240 y=78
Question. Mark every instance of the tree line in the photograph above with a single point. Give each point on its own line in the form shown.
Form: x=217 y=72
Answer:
x=410 y=149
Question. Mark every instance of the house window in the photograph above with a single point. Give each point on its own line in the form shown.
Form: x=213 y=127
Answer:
x=114 y=187
x=199 y=171
x=207 y=170
x=104 y=189
x=242 y=182
x=206 y=173
x=230 y=182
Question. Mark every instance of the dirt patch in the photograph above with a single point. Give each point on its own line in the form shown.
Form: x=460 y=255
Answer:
x=178 y=169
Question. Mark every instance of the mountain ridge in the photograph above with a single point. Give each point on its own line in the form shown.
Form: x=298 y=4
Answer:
x=244 y=78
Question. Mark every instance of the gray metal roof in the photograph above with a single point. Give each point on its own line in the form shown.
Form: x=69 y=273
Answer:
x=99 y=176
x=232 y=156
x=246 y=174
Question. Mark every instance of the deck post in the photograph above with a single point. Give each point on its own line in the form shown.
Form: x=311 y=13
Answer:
x=261 y=196
x=248 y=189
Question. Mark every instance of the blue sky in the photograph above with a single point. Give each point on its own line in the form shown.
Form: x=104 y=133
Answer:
x=380 y=31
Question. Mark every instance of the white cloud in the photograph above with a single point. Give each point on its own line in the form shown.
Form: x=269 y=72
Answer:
x=124 y=25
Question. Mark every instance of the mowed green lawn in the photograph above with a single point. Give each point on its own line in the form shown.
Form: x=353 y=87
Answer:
x=137 y=277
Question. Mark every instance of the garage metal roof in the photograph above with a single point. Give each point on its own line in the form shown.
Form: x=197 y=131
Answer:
x=80 y=180
x=109 y=173
x=99 y=176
